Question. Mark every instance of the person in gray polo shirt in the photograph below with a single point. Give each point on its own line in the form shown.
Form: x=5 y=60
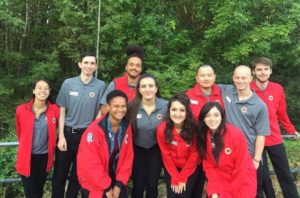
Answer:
x=146 y=112
x=79 y=102
x=247 y=111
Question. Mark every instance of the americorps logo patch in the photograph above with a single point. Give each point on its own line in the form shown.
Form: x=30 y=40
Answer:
x=90 y=137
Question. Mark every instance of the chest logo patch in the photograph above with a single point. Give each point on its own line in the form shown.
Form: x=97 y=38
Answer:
x=73 y=93
x=244 y=109
x=271 y=98
x=92 y=94
x=138 y=116
x=227 y=151
x=195 y=102
x=90 y=137
x=159 y=116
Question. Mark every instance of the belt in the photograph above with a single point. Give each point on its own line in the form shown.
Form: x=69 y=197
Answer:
x=75 y=130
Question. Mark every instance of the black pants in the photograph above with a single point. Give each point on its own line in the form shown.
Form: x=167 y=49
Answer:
x=34 y=184
x=281 y=167
x=188 y=193
x=260 y=172
x=199 y=183
x=146 y=171
x=123 y=193
x=63 y=161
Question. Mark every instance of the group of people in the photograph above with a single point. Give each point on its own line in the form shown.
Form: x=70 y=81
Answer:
x=213 y=133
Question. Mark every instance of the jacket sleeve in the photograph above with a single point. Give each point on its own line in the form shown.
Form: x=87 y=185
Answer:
x=166 y=156
x=91 y=165
x=283 y=116
x=125 y=162
x=242 y=182
x=18 y=126
x=190 y=165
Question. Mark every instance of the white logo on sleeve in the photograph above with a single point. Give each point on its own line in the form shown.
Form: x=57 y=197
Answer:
x=54 y=120
x=73 y=93
x=90 y=137
x=126 y=139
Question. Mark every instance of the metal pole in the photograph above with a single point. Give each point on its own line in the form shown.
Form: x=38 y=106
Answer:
x=98 y=37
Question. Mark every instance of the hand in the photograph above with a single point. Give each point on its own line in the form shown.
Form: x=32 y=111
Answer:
x=109 y=194
x=174 y=188
x=214 y=196
x=62 y=144
x=256 y=164
x=116 y=192
x=181 y=187
x=297 y=135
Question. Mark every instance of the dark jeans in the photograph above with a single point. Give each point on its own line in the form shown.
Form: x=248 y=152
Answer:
x=146 y=171
x=63 y=161
x=281 y=167
x=188 y=193
x=199 y=183
x=34 y=184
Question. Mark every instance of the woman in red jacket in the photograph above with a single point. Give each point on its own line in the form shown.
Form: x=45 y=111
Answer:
x=176 y=140
x=36 y=123
x=226 y=160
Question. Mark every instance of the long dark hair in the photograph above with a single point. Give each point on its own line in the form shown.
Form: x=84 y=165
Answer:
x=203 y=130
x=135 y=103
x=46 y=81
x=189 y=125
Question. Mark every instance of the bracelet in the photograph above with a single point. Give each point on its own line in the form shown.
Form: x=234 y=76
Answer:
x=256 y=160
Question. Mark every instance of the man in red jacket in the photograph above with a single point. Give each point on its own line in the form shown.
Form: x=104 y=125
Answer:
x=127 y=82
x=273 y=95
x=105 y=153
x=205 y=89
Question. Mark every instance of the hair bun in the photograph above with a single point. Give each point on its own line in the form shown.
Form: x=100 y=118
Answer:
x=135 y=50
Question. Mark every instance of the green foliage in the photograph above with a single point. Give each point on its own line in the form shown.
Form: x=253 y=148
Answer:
x=45 y=38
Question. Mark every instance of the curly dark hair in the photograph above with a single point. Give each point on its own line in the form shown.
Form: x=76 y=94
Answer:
x=204 y=130
x=135 y=51
x=189 y=125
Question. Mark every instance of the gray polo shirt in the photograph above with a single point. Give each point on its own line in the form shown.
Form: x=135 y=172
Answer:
x=40 y=135
x=82 y=101
x=146 y=125
x=250 y=115
x=111 y=86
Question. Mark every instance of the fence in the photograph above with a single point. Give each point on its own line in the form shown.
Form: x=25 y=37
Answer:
x=17 y=180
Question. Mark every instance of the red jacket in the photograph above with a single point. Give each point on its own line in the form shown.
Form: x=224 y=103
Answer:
x=121 y=83
x=178 y=154
x=93 y=158
x=198 y=99
x=24 y=128
x=274 y=98
x=235 y=175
